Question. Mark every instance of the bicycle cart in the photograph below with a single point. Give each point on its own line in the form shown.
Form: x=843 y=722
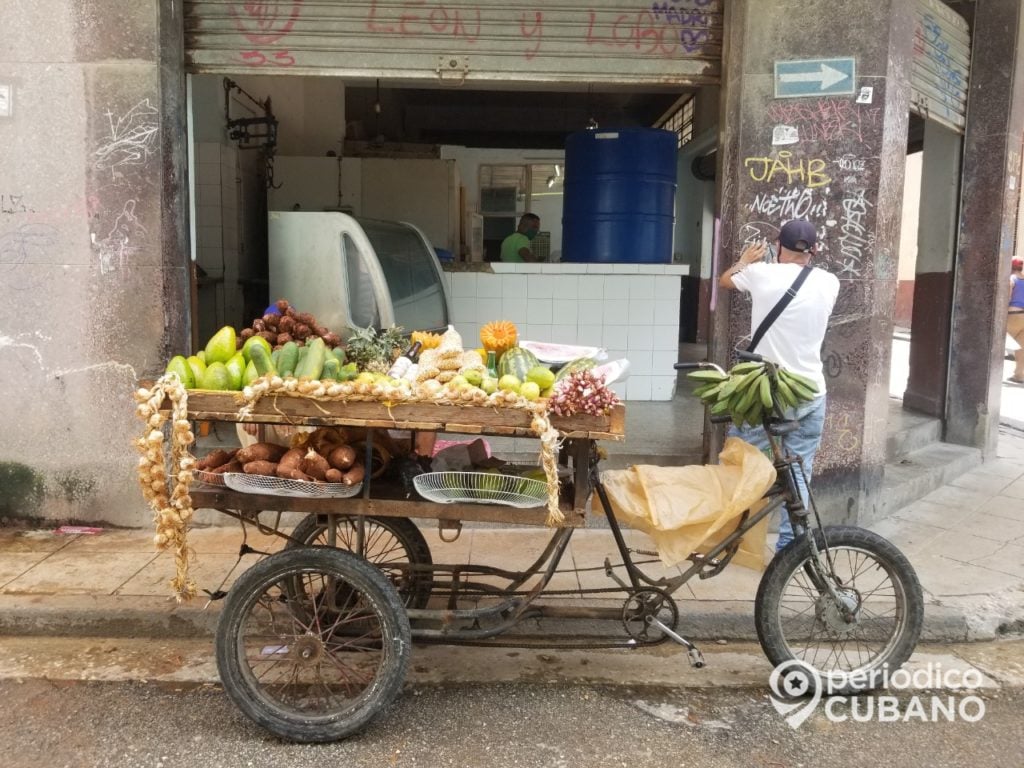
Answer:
x=314 y=641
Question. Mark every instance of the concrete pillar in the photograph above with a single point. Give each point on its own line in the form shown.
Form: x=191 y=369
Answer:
x=851 y=152
x=93 y=258
x=933 y=281
x=988 y=214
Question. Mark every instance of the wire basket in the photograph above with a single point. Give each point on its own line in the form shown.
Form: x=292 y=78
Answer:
x=481 y=488
x=210 y=478
x=278 y=486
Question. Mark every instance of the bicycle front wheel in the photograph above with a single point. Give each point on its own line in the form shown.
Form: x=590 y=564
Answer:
x=847 y=643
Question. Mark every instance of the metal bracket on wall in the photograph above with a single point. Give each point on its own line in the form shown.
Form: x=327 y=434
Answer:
x=452 y=67
x=259 y=132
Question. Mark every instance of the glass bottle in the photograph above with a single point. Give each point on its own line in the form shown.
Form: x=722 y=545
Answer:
x=492 y=364
x=402 y=364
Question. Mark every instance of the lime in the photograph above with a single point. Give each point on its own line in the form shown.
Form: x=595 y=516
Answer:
x=509 y=383
x=489 y=385
x=541 y=375
x=530 y=390
x=222 y=346
x=247 y=347
x=180 y=366
x=473 y=376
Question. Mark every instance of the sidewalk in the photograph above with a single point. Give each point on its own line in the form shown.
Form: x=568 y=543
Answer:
x=966 y=541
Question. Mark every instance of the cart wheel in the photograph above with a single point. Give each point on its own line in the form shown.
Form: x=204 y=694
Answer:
x=388 y=542
x=313 y=643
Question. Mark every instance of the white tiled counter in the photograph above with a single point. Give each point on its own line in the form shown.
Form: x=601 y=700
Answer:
x=631 y=310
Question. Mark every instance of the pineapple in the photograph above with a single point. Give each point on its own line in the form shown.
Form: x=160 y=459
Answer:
x=373 y=350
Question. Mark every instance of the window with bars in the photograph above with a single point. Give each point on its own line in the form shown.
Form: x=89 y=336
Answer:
x=680 y=122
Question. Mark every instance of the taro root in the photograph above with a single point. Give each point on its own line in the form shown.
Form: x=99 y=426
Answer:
x=269 y=336
x=281 y=304
x=284 y=338
x=246 y=333
x=332 y=340
x=270 y=320
x=259 y=325
x=301 y=331
x=286 y=324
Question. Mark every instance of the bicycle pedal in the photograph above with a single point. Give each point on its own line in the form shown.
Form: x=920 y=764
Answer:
x=696 y=658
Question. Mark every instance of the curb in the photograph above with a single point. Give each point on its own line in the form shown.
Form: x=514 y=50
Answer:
x=113 y=616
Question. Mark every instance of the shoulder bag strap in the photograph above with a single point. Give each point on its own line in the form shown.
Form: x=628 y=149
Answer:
x=782 y=303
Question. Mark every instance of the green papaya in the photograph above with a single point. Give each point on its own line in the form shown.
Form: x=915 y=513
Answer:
x=289 y=359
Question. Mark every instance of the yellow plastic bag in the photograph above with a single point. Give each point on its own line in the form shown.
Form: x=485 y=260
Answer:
x=690 y=509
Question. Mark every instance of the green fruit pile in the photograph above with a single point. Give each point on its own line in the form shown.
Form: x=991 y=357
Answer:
x=751 y=391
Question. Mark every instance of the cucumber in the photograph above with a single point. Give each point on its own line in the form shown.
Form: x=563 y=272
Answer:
x=289 y=359
x=331 y=369
x=275 y=357
x=261 y=360
x=303 y=351
x=339 y=353
x=312 y=365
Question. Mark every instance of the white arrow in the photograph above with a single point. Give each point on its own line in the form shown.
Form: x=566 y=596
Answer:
x=826 y=75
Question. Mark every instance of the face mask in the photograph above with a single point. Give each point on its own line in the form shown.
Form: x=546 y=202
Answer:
x=531 y=233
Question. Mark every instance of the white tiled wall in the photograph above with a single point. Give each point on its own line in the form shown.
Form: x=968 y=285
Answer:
x=630 y=310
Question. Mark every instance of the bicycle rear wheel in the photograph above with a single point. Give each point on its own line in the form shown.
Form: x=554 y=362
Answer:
x=846 y=646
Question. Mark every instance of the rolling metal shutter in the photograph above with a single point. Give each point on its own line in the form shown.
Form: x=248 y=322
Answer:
x=471 y=41
x=941 y=64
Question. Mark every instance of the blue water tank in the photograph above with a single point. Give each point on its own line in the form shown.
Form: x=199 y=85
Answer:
x=620 y=188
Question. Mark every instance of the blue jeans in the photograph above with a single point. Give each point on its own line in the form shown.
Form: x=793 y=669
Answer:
x=803 y=442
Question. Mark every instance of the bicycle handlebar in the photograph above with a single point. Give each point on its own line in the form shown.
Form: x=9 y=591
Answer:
x=751 y=356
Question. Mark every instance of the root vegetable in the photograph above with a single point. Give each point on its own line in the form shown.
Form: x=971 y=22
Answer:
x=260 y=468
x=290 y=461
x=342 y=457
x=354 y=475
x=301 y=331
x=270 y=320
x=259 y=326
x=286 y=324
x=282 y=305
x=214 y=459
x=293 y=474
x=333 y=475
x=232 y=466
x=246 y=333
x=314 y=465
x=269 y=336
x=261 y=452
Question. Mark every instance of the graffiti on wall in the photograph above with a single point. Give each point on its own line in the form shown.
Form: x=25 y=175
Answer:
x=132 y=138
x=265 y=25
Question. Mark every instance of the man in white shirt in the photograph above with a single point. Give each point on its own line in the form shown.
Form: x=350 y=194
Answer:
x=794 y=339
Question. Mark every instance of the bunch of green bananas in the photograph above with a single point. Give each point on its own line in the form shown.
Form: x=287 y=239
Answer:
x=751 y=389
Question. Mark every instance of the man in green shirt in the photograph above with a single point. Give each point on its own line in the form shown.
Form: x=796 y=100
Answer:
x=516 y=247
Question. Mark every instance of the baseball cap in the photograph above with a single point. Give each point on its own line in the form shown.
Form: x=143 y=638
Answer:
x=1017 y=264
x=798 y=235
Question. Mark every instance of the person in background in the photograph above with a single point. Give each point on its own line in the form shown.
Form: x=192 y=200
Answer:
x=794 y=339
x=1015 y=317
x=516 y=247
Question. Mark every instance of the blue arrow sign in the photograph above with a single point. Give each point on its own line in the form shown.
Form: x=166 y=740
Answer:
x=815 y=77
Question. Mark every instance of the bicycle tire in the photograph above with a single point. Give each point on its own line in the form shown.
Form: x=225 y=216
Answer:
x=414 y=587
x=354 y=596
x=852 y=549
